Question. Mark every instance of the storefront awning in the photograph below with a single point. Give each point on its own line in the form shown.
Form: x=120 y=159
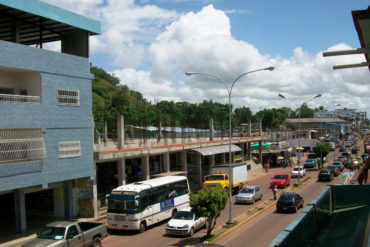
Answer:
x=216 y=149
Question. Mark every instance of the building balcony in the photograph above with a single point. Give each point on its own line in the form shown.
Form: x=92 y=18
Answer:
x=21 y=99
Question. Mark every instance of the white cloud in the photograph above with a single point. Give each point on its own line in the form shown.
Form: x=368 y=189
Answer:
x=203 y=42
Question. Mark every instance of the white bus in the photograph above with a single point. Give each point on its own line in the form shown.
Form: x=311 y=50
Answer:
x=138 y=205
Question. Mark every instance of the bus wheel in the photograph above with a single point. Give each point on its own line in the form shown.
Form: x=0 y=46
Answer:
x=142 y=227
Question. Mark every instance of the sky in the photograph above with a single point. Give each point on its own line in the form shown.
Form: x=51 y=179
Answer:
x=150 y=45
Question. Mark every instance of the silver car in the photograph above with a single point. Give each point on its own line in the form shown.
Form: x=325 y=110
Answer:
x=249 y=194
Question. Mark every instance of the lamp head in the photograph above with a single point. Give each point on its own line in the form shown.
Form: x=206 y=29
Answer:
x=281 y=96
x=318 y=96
x=269 y=68
x=189 y=73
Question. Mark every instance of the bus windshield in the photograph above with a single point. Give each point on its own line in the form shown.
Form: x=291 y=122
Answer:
x=122 y=203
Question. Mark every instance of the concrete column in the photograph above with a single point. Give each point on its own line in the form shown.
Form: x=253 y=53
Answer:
x=243 y=150
x=211 y=130
x=199 y=165
x=260 y=127
x=166 y=162
x=159 y=131
x=260 y=151
x=20 y=211
x=121 y=131
x=212 y=160
x=184 y=161
x=95 y=199
x=249 y=128
x=249 y=150
x=15 y=32
x=105 y=131
x=121 y=171
x=68 y=199
x=145 y=167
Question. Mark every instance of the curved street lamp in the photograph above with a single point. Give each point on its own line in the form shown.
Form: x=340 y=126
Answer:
x=229 y=90
x=299 y=127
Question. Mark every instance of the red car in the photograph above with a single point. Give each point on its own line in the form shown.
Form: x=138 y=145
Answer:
x=281 y=180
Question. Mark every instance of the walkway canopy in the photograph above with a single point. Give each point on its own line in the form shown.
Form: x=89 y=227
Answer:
x=216 y=149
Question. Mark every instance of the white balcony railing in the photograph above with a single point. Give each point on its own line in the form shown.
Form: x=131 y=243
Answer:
x=22 y=99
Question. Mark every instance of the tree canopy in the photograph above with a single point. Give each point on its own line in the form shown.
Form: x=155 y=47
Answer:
x=209 y=203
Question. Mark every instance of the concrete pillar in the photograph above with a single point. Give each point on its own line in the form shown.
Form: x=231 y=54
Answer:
x=121 y=131
x=105 y=131
x=121 y=171
x=159 y=131
x=260 y=127
x=68 y=199
x=212 y=160
x=249 y=128
x=20 y=211
x=199 y=165
x=184 y=161
x=166 y=162
x=95 y=199
x=145 y=167
x=242 y=150
x=260 y=151
x=249 y=151
x=211 y=130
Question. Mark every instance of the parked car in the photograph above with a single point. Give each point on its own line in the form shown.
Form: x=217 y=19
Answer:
x=334 y=170
x=364 y=157
x=346 y=154
x=298 y=171
x=185 y=223
x=348 y=144
x=325 y=175
x=289 y=202
x=310 y=163
x=249 y=194
x=339 y=165
x=66 y=233
x=355 y=164
x=342 y=159
x=354 y=150
x=280 y=179
x=332 y=146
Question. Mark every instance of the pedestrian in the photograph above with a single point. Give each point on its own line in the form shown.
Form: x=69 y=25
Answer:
x=274 y=190
x=267 y=167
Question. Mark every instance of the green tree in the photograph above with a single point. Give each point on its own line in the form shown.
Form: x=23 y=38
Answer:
x=323 y=147
x=306 y=112
x=209 y=203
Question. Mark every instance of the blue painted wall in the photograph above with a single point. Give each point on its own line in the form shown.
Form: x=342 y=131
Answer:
x=58 y=123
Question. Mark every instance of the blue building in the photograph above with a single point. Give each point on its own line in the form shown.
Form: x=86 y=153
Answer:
x=46 y=126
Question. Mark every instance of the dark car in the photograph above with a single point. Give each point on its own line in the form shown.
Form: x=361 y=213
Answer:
x=339 y=165
x=334 y=170
x=354 y=150
x=364 y=157
x=342 y=148
x=346 y=154
x=289 y=202
x=324 y=175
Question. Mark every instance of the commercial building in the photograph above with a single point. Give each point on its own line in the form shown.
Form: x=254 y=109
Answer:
x=46 y=127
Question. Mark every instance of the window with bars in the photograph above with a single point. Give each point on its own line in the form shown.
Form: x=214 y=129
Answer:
x=21 y=145
x=69 y=149
x=68 y=97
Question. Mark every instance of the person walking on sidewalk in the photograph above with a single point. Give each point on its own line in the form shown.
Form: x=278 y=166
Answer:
x=274 y=190
x=267 y=166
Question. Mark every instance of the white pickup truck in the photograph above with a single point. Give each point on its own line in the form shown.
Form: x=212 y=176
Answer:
x=70 y=234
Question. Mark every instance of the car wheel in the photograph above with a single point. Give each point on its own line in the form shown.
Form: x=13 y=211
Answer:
x=142 y=227
x=96 y=242
x=191 y=233
x=253 y=201
x=295 y=210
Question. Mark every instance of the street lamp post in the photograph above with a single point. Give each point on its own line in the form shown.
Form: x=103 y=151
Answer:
x=299 y=129
x=229 y=90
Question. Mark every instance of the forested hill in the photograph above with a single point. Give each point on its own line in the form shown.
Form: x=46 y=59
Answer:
x=111 y=98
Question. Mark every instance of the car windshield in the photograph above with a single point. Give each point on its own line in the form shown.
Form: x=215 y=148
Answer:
x=330 y=167
x=336 y=164
x=310 y=160
x=247 y=190
x=183 y=215
x=297 y=169
x=324 y=171
x=279 y=176
x=50 y=232
x=214 y=177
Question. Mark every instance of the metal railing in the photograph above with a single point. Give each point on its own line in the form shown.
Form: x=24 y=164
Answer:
x=23 y=99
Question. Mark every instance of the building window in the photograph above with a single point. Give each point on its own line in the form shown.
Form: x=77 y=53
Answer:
x=69 y=149
x=21 y=145
x=68 y=97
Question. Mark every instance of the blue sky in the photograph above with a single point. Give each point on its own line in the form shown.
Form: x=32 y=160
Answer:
x=149 y=45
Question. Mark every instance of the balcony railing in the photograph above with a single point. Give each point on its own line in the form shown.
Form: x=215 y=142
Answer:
x=22 y=99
